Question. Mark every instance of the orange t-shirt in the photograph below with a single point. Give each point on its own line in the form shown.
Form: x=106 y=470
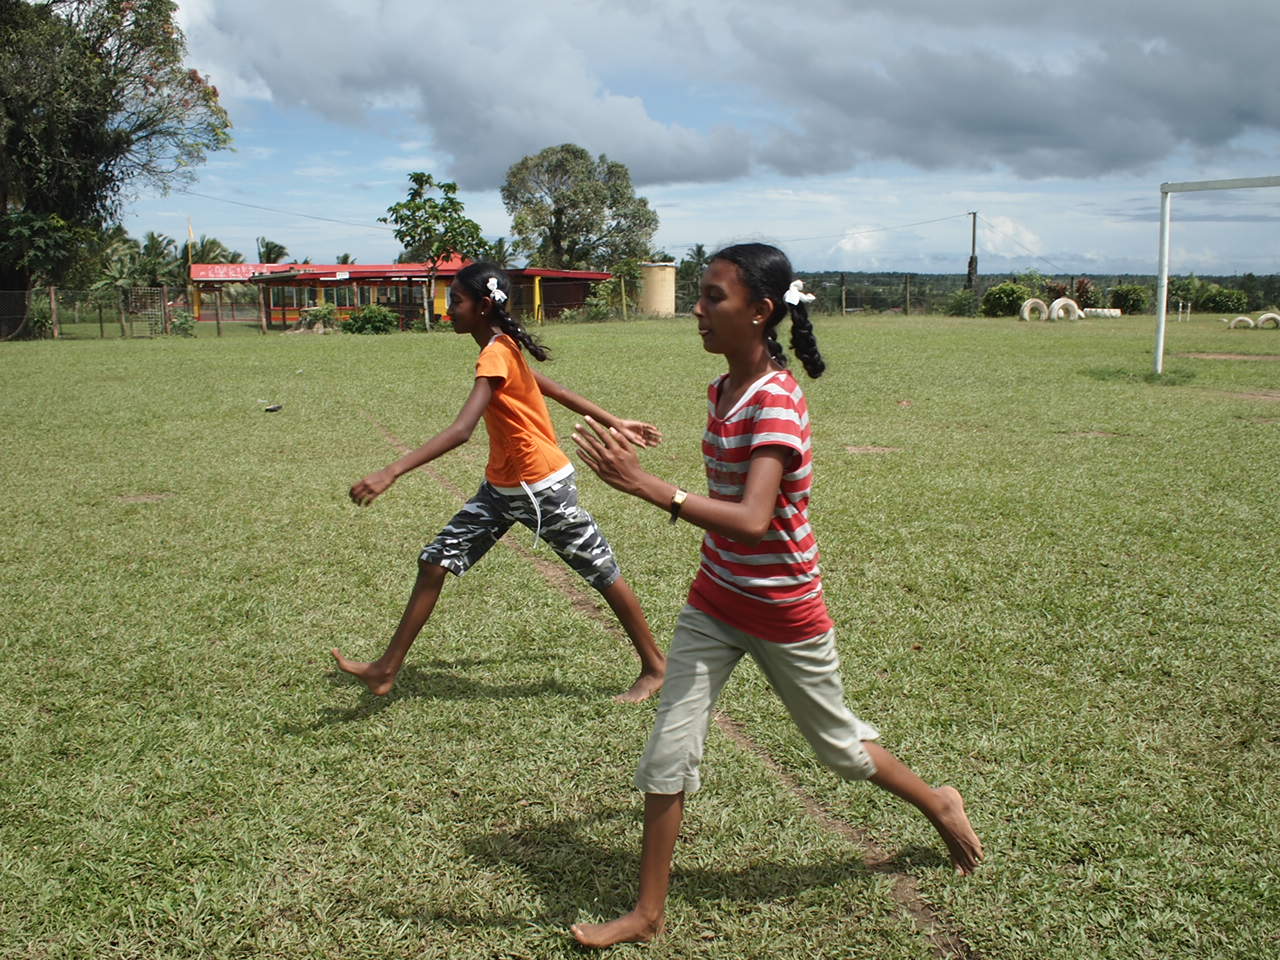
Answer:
x=522 y=441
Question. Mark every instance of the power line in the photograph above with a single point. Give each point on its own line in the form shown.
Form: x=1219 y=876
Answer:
x=287 y=213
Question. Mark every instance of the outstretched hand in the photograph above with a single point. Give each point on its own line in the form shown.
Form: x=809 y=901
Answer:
x=371 y=487
x=640 y=433
x=610 y=454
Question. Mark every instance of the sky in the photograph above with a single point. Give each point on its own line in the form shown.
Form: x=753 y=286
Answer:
x=856 y=135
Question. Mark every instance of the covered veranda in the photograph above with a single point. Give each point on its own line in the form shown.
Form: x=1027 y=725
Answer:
x=286 y=291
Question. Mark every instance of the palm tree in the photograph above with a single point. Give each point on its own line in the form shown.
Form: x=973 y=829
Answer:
x=345 y=258
x=209 y=250
x=501 y=252
x=158 y=260
x=270 y=252
x=122 y=264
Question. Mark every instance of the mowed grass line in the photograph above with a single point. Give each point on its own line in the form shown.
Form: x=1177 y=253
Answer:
x=1053 y=593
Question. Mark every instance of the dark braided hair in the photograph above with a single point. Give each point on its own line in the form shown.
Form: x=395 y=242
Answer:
x=767 y=273
x=475 y=280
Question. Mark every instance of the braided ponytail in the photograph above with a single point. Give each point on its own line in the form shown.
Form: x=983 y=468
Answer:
x=767 y=273
x=476 y=278
x=803 y=341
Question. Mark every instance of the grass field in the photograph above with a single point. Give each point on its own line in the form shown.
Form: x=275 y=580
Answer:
x=1055 y=583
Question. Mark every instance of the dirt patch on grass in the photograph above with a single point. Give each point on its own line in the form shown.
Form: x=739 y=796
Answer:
x=1095 y=433
x=143 y=497
x=873 y=449
x=1251 y=395
x=1230 y=356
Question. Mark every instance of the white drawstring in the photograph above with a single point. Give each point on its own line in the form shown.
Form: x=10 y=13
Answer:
x=537 y=514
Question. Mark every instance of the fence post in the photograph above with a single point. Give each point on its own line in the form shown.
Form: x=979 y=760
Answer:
x=124 y=331
x=164 y=307
x=262 y=313
x=102 y=330
x=622 y=285
x=217 y=308
x=53 y=311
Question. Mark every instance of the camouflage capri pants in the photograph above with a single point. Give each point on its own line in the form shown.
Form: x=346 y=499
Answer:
x=557 y=518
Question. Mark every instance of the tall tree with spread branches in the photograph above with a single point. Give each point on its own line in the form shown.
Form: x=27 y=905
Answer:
x=94 y=101
x=572 y=212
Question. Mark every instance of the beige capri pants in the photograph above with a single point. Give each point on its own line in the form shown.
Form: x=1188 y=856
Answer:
x=805 y=675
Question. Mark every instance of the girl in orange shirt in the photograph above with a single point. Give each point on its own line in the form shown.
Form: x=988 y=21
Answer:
x=528 y=478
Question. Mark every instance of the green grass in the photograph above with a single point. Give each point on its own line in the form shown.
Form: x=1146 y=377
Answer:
x=1058 y=592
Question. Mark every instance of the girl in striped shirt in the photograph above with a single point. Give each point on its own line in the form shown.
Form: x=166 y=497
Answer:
x=758 y=590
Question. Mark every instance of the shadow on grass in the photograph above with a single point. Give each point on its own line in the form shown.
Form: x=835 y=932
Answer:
x=1170 y=378
x=575 y=878
x=436 y=680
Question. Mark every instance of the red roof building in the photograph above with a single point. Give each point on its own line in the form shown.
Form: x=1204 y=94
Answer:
x=286 y=289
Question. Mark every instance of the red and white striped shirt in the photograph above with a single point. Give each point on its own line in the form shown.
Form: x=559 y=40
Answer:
x=772 y=590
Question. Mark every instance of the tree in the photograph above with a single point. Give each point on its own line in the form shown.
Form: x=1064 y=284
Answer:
x=689 y=276
x=270 y=252
x=501 y=253
x=345 y=258
x=94 y=99
x=571 y=212
x=433 y=228
x=209 y=250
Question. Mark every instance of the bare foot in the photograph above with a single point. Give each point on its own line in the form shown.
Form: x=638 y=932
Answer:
x=629 y=928
x=646 y=685
x=378 y=679
x=953 y=826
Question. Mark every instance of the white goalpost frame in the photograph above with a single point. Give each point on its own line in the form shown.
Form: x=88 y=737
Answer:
x=1166 y=196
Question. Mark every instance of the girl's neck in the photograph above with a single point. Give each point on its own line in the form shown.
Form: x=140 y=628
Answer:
x=749 y=367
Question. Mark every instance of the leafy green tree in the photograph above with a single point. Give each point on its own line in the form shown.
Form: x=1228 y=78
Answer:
x=431 y=226
x=94 y=99
x=271 y=252
x=572 y=212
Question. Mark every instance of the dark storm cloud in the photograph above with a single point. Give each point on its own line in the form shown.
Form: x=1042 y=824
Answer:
x=1093 y=89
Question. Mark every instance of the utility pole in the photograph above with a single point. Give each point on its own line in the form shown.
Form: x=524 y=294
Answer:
x=844 y=306
x=906 y=307
x=971 y=278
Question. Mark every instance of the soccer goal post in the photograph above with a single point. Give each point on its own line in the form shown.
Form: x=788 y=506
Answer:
x=1167 y=190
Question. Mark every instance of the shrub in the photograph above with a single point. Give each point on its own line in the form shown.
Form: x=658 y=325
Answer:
x=962 y=303
x=182 y=323
x=372 y=318
x=322 y=315
x=1086 y=294
x=39 y=319
x=1130 y=298
x=1223 y=300
x=1004 y=299
x=1053 y=289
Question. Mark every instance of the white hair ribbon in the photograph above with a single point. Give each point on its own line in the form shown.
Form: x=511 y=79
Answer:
x=795 y=293
x=498 y=295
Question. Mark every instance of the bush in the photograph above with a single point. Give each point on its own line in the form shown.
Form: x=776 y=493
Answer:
x=1086 y=294
x=962 y=303
x=1004 y=299
x=1224 y=300
x=1130 y=298
x=322 y=315
x=39 y=319
x=182 y=323
x=372 y=318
